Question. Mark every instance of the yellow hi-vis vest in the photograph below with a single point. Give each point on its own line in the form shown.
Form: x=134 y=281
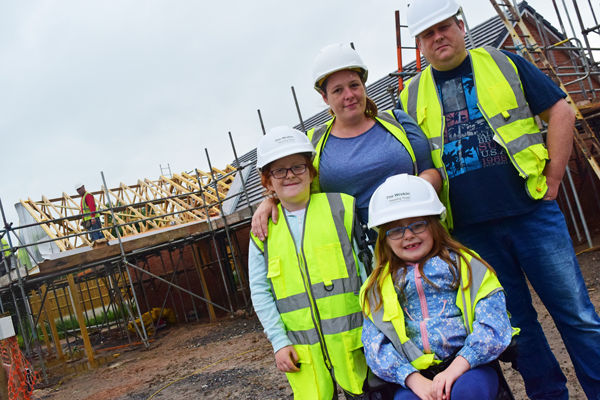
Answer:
x=389 y=319
x=316 y=288
x=318 y=137
x=4 y=246
x=502 y=103
x=85 y=209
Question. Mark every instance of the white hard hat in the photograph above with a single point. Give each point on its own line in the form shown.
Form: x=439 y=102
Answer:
x=404 y=196
x=280 y=142
x=337 y=57
x=79 y=185
x=423 y=14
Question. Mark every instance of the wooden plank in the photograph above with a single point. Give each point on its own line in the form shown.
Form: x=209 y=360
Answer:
x=80 y=318
x=190 y=229
x=51 y=318
x=198 y=263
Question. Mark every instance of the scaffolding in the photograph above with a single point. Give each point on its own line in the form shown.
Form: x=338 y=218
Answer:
x=171 y=246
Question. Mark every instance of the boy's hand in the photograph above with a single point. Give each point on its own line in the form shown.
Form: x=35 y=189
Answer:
x=420 y=386
x=286 y=359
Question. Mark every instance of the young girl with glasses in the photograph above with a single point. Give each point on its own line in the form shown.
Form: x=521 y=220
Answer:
x=305 y=277
x=436 y=313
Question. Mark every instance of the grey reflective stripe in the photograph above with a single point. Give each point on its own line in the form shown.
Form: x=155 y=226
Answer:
x=389 y=118
x=413 y=91
x=519 y=113
x=435 y=143
x=512 y=77
x=523 y=142
x=442 y=171
x=408 y=348
x=342 y=324
x=478 y=270
x=309 y=337
x=318 y=134
x=462 y=291
x=338 y=286
x=257 y=247
x=293 y=303
x=319 y=291
x=338 y=212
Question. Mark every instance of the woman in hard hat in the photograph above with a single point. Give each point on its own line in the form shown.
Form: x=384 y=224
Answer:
x=305 y=277
x=436 y=311
x=360 y=147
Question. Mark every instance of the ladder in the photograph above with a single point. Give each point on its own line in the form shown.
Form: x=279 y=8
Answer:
x=530 y=51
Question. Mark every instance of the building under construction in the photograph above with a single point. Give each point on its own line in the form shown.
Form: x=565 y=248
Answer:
x=177 y=246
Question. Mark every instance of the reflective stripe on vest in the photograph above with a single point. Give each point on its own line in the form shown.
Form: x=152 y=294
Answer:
x=316 y=287
x=318 y=137
x=389 y=319
x=502 y=103
x=85 y=209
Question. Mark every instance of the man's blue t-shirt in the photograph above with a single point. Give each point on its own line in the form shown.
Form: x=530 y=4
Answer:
x=484 y=185
x=358 y=165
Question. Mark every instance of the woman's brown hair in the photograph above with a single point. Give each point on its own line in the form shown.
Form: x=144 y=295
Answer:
x=265 y=175
x=443 y=245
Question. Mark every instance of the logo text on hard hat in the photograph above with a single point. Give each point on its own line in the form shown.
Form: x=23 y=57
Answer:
x=403 y=196
x=284 y=139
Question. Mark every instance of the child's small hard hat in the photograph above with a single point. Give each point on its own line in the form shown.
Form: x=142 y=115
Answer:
x=404 y=196
x=280 y=142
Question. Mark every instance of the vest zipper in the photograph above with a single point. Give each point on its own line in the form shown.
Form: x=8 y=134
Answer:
x=314 y=311
x=424 y=311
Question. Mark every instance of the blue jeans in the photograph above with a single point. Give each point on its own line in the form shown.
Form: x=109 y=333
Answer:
x=537 y=245
x=479 y=383
x=96 y=235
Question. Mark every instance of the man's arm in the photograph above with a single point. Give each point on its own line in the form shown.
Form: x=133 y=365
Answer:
x=560 y=118
x=91 y=203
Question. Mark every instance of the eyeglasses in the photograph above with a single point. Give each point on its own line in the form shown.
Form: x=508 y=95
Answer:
x=415 y=227
x=281 y=173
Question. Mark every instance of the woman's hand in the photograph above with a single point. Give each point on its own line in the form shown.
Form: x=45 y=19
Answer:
x=442 y=382
x=260 y=220
x=420 y=386
x=286 y=359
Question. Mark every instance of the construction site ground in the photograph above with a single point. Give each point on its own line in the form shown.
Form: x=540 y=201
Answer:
x=232 y=358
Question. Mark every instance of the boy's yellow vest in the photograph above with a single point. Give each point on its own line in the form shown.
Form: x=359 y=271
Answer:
x=389 y=319
x=501 y=100
x=318 y=137
x=85 y=209
x=316 y=291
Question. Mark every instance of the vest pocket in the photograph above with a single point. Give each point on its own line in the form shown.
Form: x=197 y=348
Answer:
x=421 y=115
x=274 y=274
x=331 y=263
x=313 y=380
x=503 y=97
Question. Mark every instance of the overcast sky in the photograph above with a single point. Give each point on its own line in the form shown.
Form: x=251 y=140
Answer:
x=123 y=86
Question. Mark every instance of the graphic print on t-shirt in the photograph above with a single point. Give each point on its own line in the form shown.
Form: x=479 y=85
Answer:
x=468 y=139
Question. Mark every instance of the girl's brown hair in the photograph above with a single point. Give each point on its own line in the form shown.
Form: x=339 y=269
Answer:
x=443 y=245
x=265 y=175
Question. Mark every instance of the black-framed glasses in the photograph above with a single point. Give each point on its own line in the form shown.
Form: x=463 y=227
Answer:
x=281 y=173
x=415 y=227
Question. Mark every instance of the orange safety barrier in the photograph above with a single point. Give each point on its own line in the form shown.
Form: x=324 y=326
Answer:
x=21 y=376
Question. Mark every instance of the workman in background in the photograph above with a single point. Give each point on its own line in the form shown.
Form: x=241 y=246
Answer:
x=500 y=186
x=88 y=205
x=4 y=255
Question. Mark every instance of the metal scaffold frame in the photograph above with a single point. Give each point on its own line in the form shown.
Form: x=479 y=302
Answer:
x=188 y=198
